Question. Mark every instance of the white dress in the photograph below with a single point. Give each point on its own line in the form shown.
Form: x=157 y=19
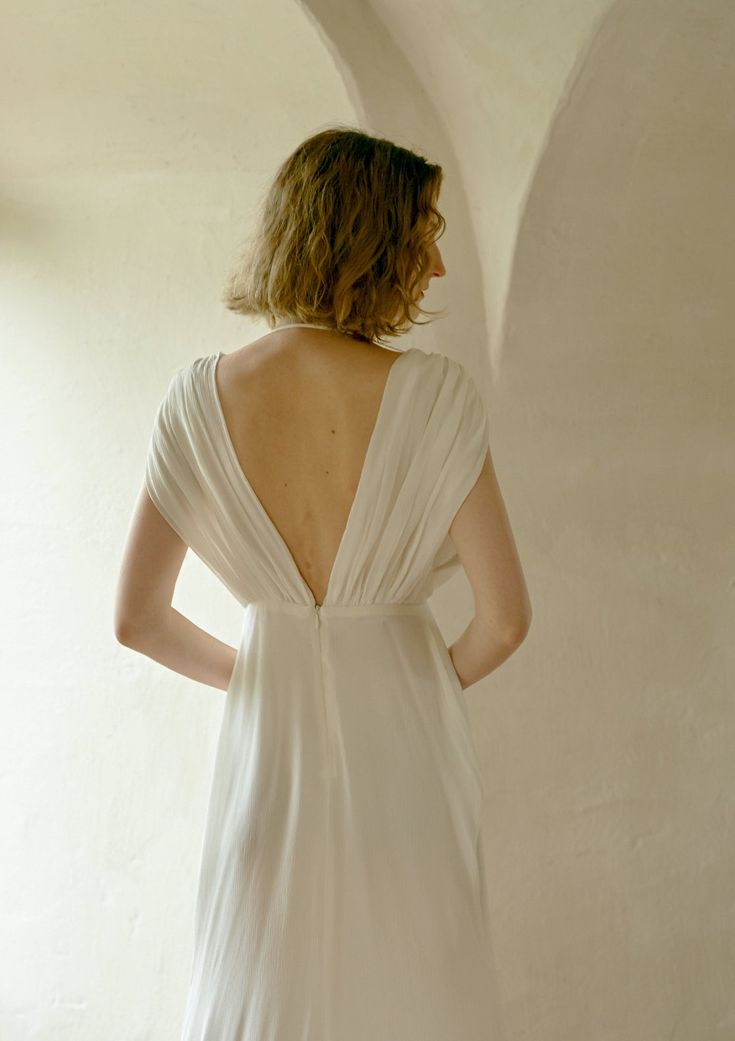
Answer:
x=341 y=894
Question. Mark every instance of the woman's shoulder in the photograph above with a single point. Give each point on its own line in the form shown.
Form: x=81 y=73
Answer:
x=444 y=365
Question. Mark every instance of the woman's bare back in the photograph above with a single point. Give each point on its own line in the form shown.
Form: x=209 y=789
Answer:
x=300 y=405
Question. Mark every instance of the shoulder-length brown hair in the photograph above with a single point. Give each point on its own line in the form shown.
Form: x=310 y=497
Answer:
x=342 y=237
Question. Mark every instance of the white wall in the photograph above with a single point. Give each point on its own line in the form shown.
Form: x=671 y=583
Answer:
x=588 y=158
x=616 y=394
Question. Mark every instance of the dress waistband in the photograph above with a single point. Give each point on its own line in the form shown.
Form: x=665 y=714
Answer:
x=338 y=610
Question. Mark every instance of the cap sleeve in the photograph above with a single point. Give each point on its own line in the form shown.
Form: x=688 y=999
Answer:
x=457 y=450
x=172 y=477
x=470 y=439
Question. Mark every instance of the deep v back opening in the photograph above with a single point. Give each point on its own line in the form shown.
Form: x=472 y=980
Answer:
x=361 y=481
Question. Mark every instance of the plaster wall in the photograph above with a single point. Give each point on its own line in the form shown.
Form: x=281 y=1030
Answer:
x=588 y=152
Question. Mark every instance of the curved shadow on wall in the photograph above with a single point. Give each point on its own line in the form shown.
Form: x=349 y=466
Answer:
x=619 y=350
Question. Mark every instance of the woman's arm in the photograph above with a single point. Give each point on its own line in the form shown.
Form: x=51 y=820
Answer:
x=487 y=551
x=144 y=619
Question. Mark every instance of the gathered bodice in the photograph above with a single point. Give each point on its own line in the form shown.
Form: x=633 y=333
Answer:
x=424 y=455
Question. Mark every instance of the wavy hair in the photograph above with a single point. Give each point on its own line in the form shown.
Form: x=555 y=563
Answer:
x=342 y=237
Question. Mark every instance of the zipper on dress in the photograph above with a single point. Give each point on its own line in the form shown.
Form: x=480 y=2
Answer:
x=328 y=721
x=327 y=952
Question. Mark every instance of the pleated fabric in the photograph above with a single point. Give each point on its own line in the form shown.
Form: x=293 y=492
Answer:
x=342 y=893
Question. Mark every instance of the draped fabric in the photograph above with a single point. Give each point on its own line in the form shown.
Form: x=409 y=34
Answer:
x=342 y=890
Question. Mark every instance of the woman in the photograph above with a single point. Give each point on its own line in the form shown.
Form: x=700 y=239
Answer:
x=332 y=482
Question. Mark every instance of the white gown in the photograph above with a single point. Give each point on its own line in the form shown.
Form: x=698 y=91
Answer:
x=341 y=893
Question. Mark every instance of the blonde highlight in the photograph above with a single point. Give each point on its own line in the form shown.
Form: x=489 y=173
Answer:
x=342 y=237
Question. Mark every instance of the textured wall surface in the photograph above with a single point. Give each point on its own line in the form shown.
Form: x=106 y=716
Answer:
x=589 y=152
x=617 y=392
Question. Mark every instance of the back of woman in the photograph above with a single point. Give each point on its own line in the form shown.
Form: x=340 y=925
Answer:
x=318 y=472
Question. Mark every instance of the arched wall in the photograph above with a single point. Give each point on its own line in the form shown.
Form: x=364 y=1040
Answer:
x=588 y=154
x=616 y=388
